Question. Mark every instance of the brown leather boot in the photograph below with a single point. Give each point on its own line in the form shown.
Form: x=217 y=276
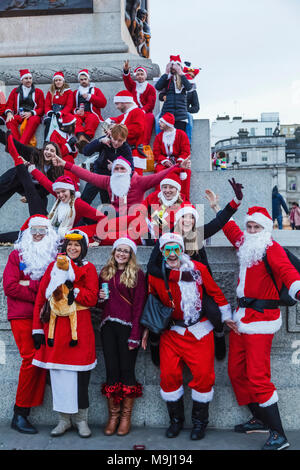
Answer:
x=125 y=421
x=114 y=410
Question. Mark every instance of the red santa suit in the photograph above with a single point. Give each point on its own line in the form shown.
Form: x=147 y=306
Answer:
x=193 y=344
x=92 y=105
x=144 y=96
x=249 y=352
x=27 y=98
x=2 y=108
x=134 y=120
x=63 y=100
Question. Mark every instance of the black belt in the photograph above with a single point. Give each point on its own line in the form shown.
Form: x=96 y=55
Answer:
x=182 y=323
x=258 y=304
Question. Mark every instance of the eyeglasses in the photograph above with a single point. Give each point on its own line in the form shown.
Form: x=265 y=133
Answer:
x=172 y=249
x=126 y=252
x=38 y=231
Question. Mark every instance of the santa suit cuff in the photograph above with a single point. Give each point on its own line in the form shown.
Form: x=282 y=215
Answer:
x=38 y=332
x=202 y=397
x=33 y=112
x=172 y=396
x=235 y=203
x=133 y=343
x=271 y=401
x=294 y=288
x=164 y=161
x=109 y=121
x=31 y=168
x=76 y=292
x=68 y=165
x=8 y=111
x=226 y=312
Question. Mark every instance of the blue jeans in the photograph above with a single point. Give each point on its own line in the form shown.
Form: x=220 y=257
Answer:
x=189 y=127
x=279 y=220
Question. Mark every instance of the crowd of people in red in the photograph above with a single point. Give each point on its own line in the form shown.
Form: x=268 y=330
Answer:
x=51 y=287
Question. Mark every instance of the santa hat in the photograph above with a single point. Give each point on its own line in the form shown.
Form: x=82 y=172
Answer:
x=187 y=209
x=140 y=68
x=58 y=75
x=171 y=238
x=123 y=97
x=24 y=74
x=175 y=59
x=168 y=119
x=261 y=216
x=67 y=119
x=76 y=234
x=65 y=182
x=34 y=221
x=188 y=69
x=125 y=241
x=174 y=179
x=121 y=161
x=84 y=72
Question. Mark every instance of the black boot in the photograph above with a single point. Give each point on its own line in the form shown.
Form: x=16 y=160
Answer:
x=277 y=439
x=176 y=413
x=20 y=421
x=220 y=345
x=255 y=424
x=199 y=420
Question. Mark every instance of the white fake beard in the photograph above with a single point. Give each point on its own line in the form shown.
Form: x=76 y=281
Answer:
x=63 y=211
x=254 y=247
x=37 y=255
x=83 y=90
x=166 y=202
x=191 y=304
x=120 y=184
x=168 y=140
x=141 y=87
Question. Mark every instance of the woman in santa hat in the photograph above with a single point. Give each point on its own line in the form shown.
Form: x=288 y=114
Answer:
x=35 y=248
x=121 y=332
x=70 y=362
x=59 y=100
x=190 y=338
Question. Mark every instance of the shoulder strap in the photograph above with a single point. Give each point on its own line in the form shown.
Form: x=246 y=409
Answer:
x=269 y=271
x=124 y=298
x=167 y=283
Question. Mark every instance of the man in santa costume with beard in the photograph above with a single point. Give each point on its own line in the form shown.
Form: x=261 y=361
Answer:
x=24 y=102
x=88 y=102
x=27 y=263
x=144 y=96
x=134 y=119
x=190 y=338
x=257 y=319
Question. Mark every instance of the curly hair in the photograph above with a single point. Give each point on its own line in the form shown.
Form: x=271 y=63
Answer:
x=129 y=276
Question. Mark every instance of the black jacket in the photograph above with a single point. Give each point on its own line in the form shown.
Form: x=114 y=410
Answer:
x=176 y=103
x=107 y=153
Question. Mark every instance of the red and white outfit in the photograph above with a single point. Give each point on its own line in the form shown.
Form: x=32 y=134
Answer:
x=249 y=353
x=63 y=99
x=20 y=97
x=144 y=96
x=63 y=361
x=92 y=105
x=2 y=108
x=134 y=120
x=193 y=345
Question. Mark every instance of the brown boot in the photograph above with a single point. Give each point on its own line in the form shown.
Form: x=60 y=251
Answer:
x=125 y=421
x=114 y=410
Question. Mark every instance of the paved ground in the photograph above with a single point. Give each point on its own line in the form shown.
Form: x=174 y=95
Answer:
x=152 y=438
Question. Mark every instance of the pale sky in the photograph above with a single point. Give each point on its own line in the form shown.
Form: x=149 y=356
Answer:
x=249 y=52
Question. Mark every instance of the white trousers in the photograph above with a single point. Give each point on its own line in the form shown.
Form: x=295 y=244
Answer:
x=64 y=384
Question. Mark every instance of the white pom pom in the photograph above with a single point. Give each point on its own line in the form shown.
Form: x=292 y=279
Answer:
x=183 y=176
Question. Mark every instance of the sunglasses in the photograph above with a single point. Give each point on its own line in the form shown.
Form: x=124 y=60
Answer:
x=38 y=231
x=125 y=252
x=172 y=249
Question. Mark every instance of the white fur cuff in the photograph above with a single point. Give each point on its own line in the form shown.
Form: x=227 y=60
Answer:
x=172 y=396
x=226 y=312
x=203 y=397
x=294 y=288
x=271 y=401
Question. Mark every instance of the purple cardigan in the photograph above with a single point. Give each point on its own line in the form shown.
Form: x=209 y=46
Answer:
x=126 y=312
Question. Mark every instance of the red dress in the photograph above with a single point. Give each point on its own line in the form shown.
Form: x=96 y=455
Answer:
x=62 y=356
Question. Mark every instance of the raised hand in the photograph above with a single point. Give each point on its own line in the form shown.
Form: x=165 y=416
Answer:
x=57 y=161
x=213 y=199
x=186 y=163
x=126 y=66
x=237 y=188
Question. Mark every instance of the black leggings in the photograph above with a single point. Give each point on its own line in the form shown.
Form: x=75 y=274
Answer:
x=119 y=360
x=83 y=389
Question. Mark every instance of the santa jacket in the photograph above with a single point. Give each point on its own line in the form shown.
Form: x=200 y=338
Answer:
x=146 y=100
x=96 y=99
x=82 y=208
x=134 y=120
x=61 y=356
x=62 y=140
x=12 y=104
x=180 y=149
x=64 y=99
x=20 y=299
x=255 y=282
x=139 y=185
x=157 y=288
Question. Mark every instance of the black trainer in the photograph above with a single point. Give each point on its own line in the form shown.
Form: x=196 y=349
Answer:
x=253 y=425
x=21 y=424
x=275 y=442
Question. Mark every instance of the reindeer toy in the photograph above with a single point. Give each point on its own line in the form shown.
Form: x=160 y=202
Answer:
x=61 y=300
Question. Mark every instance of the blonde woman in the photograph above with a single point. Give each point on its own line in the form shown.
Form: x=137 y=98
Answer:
x=121 y=332
x=59 y=100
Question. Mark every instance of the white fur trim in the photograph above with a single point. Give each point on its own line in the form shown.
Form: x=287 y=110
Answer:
x=123 y=99
x=122 y=162
x=271 y=401
x=183 y=176
x=260 y=327
x=122 y=322
x=294 y=288
x=76 y=292
x=125 y=241
x=85 y=74
x=199 y=330
x=38 y=332
x=171 y=183
x=53 y=365
x=187 y=210
x=25 y=76
x=171 y=238
x=261 y=220
x=226 y=312
x=63 y=186
x=172 y=396
x=167 y=123
x=202 y=397
x=39 y=221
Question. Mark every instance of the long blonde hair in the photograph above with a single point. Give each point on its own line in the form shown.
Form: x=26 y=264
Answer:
x=53 y=88
x=130 y=274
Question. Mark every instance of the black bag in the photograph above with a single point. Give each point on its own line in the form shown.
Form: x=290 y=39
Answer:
x=45 y=312
x=156 y=316
x=285 y=299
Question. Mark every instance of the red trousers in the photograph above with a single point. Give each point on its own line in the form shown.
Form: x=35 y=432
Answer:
x=249 y=367
x=198 y=355
x=87 y=124
x=32 y=379
x=149 y=123
x=32 y=125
